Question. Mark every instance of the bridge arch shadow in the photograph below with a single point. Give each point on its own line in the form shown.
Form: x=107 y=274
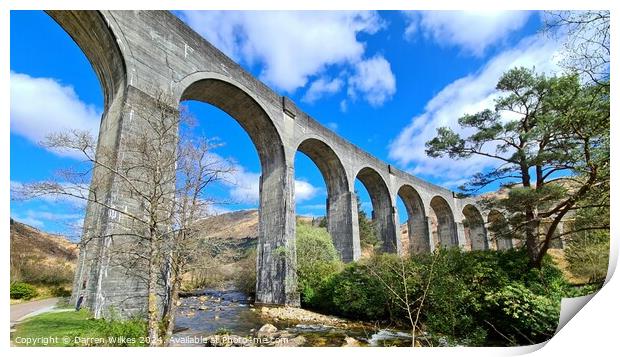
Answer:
x=274 y=186
x=498 y=228
x=473 y=226
x=417 y=226
x=442 y=222
x=383 y=214
x=338 y=205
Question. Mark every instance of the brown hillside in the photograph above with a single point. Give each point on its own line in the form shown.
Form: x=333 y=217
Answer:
x=32 y=248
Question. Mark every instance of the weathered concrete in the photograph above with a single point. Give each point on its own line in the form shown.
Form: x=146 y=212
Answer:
x=138 y=55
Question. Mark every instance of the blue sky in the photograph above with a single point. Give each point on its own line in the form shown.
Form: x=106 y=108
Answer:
x=383 y=80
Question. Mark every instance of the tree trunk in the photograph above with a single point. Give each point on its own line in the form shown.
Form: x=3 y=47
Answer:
x=174 y=298
x=153 y=314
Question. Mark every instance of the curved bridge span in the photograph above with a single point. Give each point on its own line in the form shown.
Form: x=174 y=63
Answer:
x=138 y=55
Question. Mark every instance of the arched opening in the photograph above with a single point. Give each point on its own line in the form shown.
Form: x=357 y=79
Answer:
x=338 y=203
x=417 y=227
x=475 y=233
x=382 y=213
x=275 y=188
x=498 y=229
x=76 y=74
x=442 y=223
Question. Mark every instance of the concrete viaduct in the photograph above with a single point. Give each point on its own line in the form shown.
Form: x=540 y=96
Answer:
x=137 y=54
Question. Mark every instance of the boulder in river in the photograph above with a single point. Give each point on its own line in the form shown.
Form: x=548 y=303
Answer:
x=350 y=342
x=293 y=342
x=267 y=330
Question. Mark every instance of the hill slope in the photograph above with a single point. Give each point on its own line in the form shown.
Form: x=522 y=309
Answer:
x=40 y=257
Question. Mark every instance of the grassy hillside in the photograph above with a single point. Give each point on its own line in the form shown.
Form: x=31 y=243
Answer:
x=44 y=260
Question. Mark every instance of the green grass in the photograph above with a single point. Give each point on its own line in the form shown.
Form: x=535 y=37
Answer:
x=73 y=328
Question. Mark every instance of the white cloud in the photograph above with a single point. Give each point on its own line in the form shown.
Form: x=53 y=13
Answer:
x=314 y=207
x=332 y=125
x=472 y=31
x=75 y=196
x=291 y=45
x=374 y=80
x=320 y=87
x=244 y=187
x=41 y=106
x=304 y=190
x=466 y=95
x=31 y=221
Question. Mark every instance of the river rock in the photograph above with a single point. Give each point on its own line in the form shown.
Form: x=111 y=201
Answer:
x=350 y=342
x=228 y=341
x=294 y=342
x=267 y=330
x=203 y=307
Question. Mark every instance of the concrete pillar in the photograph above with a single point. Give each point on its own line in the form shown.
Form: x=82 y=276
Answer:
x=111 y=270
x=459 y=236
x=433 y=239
x=355 y=228
x=419 y=240
x=340 y=209
x=384 y=217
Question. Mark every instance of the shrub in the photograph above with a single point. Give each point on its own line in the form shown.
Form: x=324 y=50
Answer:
x=587 y=255
x=60 y=291
x=24 y=291
x=123 y=333
x=473 y=297
x=317 y=263
x=245 y=277
x=357 y=294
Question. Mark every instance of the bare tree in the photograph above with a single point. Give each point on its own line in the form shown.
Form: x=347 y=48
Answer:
x=586 y=41
x=403 y=287
x=164 y=172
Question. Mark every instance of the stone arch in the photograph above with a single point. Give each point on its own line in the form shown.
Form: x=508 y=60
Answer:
x=417 y=225
x=383 y=211
x=442 y=222
x=498 y=226
x=100 y=45
x=473 y=224
x=339 y=218
x=276 y=186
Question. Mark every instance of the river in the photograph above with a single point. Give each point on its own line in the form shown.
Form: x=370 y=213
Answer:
x=211 y=312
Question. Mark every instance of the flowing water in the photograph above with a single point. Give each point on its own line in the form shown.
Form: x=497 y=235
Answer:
x=210 y=312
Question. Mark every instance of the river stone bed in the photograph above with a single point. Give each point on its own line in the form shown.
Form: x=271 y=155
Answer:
x=227 y=318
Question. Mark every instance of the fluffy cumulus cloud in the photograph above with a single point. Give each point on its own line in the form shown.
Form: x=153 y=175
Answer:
x=294 y=47
x=40 y=106
x=244 y=187
x=472 y=31
x=373 y=79
x=466 y=95
x=320 y=87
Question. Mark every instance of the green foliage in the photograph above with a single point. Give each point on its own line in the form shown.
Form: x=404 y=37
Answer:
x=368 y=233
x=587 y=254
x=473 y=298
x=24 y=291
x=518 y=312
x=82 y=330
x=357 y=294
x=61 y=291
x=550 y=139
x=317 y=262
x=245 y=278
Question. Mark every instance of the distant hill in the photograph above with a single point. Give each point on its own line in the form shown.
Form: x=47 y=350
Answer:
x=240 y=228
x=38 y=256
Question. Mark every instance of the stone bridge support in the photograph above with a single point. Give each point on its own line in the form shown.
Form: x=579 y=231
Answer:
x=142 y=57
